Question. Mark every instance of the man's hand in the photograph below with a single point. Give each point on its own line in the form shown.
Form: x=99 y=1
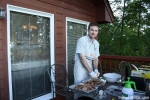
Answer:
x=97 y=72
x=93 y=74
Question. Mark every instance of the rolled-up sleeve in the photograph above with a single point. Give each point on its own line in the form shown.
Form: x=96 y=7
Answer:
x=81 y=46
x=97 y=50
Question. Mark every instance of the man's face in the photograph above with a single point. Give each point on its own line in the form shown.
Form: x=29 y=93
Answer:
x=92 y=32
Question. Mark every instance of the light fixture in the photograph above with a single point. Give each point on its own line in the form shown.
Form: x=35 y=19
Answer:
x=29 y=27
x=2 y=13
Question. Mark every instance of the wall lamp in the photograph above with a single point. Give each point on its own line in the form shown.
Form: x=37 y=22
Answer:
x=2 y=13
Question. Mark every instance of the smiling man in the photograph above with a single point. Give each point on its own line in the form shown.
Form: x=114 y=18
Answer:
x=86 y=56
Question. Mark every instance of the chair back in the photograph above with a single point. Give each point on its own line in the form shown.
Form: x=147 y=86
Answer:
x=57 y=73
x=59 y=79
x=124 y=69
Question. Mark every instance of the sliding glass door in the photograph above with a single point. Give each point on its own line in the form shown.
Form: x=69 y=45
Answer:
x=30 y=54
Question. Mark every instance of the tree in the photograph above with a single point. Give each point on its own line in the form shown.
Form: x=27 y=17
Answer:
x=129 y=34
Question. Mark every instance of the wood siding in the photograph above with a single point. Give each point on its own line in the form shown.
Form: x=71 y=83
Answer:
x=3 y=62
x=3 y=57
x=79 y=9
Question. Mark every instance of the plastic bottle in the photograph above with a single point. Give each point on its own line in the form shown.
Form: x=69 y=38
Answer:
x=127 y=91
x=101 y=94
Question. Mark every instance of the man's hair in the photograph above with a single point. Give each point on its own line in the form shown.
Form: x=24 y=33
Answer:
x=92 y=24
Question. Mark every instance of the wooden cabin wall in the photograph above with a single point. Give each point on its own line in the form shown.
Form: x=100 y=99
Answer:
x=79 y=9
x=3 y=57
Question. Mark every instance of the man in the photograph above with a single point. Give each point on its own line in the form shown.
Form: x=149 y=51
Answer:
x=86 y=56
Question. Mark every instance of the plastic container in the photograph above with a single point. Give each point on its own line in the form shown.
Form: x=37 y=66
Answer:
x=127 y=91
x=101 y=95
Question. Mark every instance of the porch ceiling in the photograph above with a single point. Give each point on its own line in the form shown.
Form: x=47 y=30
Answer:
x=104 y=12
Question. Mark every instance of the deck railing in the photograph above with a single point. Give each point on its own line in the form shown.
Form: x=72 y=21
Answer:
x=110 y=63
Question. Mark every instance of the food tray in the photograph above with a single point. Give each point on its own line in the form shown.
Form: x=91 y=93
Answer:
x=93 y=91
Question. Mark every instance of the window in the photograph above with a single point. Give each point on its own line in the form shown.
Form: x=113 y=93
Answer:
x=75 y=29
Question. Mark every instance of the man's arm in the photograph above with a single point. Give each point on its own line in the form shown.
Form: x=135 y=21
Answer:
x=95 y=65
x=84 y=62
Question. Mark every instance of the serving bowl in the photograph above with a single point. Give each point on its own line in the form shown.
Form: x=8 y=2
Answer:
x=112 y=77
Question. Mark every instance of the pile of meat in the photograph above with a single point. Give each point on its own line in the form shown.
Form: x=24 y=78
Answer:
x=84 y=87
x=88 y=85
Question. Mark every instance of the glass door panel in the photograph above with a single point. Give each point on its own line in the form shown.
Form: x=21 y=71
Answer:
x=30 y=55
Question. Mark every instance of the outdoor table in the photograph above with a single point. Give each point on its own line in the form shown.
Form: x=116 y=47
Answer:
x=95 y=95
